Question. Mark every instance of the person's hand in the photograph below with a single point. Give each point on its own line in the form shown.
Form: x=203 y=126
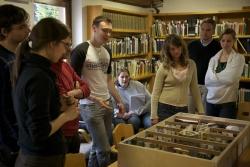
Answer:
x=76 y=92
x=104 y=104
x=72 y=111
x=121 y=108
x=66 y=100
x=154 y=121
x=127 y=115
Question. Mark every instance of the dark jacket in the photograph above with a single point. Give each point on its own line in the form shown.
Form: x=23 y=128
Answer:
x=8 y=124
x=36 y=102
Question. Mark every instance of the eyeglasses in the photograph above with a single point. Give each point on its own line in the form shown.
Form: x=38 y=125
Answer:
x=67 y=44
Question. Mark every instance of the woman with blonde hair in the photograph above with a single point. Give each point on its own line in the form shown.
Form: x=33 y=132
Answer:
x=176 y=75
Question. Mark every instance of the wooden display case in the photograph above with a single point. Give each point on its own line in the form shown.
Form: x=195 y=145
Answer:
x=187 y=139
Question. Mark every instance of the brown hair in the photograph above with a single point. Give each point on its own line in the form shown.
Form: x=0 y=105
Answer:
x=124 y=69
x=166 y=57
x=228 y=31
x=45 y=31
x=100 y=19
x=208 y=21
x=11 y=15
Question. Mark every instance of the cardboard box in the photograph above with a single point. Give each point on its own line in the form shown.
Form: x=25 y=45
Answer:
x=186 y=139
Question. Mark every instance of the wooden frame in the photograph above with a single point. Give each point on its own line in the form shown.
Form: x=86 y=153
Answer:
x=19 y=1
x=163 y=145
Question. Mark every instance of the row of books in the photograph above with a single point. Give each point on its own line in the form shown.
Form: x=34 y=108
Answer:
x=246 y=71
x=129 y=45
x=157 y=45
x=190 y=27
x=245 y=44
x=239 y=28
x=244 y=95
x=122 y=21
x=136 y=67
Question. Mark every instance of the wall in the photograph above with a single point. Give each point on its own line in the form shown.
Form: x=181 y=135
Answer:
x=114 y=5
x=28 y=7
x=173 y=6
x=77 y=22
x=169 y=6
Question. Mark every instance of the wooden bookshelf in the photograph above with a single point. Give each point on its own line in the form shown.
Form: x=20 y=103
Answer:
x=128 y=56
x=143 y=77
x=244 y=79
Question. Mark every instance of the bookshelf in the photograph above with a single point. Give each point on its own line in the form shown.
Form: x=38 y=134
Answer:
x=187 y=25
x=239 y=20
x=130 y=41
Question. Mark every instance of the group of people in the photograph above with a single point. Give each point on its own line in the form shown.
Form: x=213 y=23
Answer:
x=207 y=82
x=42 y=95
x=41 y=92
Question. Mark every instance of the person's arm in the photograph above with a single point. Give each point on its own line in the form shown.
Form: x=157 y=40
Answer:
x=157 y=90
x=71 y=113
x=81 y=89
x=228 y=76
x=233 y=71
x=7 y=128
x=38 y=92
x=115 y=94
x=195 y=91
x=78 y=56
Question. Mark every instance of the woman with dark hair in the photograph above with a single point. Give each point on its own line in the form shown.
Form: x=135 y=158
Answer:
x=176 y=75
x=36 y=97
x=222 y=78
x=136 y=99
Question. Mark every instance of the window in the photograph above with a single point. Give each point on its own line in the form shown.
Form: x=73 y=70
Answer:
x=43 y=10
x=59 y=9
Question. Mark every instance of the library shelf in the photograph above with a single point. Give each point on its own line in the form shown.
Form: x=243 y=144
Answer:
x=128 y=56
x=244 y=79
x=143 y=76
x=132 y=31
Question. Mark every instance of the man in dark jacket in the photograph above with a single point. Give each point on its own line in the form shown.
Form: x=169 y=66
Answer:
x=13 y=30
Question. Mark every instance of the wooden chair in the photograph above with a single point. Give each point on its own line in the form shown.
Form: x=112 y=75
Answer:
x=121 y=132
x=75 y=160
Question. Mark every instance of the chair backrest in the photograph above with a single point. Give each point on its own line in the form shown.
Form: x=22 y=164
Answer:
x=75 y=160
x=121 y=132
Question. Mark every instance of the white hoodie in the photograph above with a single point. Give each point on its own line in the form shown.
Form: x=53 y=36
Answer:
x=223 y=86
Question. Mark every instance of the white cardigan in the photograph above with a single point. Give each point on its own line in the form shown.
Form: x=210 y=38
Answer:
x=223 y=86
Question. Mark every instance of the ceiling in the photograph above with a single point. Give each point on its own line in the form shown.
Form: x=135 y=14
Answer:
x=141 y=3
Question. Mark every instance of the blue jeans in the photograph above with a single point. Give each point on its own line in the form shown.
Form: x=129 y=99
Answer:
x=98 y=120
x=136 y=120
x=166 y=110
x=225 y=110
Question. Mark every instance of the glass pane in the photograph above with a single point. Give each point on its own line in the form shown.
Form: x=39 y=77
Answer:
x=43 y=10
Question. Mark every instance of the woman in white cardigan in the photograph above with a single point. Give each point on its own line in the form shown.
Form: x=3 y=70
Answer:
x=222 y=78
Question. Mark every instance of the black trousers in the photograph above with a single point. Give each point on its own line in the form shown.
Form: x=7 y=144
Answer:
x=39 y=161
x=7 y=158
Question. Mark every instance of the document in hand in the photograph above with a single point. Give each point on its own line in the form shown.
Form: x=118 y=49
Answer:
x=136 y=101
